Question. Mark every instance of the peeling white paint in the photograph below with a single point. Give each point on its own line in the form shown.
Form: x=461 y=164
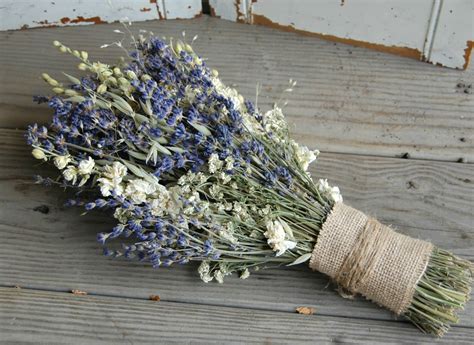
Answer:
x=181 y=9
x=24 y=14
x=455 y=27
x=433 y=30
x=227 y=9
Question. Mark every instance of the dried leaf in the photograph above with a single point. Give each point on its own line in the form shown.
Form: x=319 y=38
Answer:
x=301 y=259
x=78 y=292
x=155 y=298
x=305 y=310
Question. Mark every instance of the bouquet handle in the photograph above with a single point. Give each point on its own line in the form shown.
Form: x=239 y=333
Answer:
x=409 y=276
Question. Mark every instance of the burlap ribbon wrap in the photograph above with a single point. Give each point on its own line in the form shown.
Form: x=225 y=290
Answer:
x=364 y=256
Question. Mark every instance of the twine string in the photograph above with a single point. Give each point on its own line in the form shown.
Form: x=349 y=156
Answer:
x=364 y=256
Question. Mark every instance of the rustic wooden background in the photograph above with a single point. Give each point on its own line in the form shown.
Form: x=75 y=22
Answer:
x=364 y=110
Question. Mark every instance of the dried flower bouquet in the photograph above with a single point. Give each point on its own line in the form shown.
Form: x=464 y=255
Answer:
x=193 y=172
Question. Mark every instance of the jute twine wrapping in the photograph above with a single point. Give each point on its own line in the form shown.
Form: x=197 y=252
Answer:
x=364 y=256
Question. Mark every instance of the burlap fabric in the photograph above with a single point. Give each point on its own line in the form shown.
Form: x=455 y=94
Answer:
x=364 y=256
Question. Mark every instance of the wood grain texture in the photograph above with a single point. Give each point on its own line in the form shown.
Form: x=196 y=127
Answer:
x=349 y=100
x=34 y=317
x=55 y=249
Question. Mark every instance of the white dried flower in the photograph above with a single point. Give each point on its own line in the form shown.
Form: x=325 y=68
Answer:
x=304 y=156
x=225 y=178
x=70 y=174
x=229 y=163
x=138 y=190
x=38 y=154
x=116 y=171
x=204 y=272
x=62 y=161
x=86 y=166
x=215 y=164
x=332 y=192
x=276 y=237
x=245 y=274
x=274 y=120
x=219 y=275
x=107 y=186
x=215 y=191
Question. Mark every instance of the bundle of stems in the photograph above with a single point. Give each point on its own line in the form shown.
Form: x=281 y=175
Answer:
x=193 y=172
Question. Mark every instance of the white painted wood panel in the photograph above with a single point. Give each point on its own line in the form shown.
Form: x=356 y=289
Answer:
x=25 y=14
x=436 y=31
x=181 y=9
x=454 y=34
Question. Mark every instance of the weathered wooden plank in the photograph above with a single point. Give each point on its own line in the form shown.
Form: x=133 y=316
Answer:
x=349 y=100
x=53 y=248
x=31 y=316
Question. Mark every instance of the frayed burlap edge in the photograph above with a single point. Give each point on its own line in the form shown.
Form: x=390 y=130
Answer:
x=364 y=256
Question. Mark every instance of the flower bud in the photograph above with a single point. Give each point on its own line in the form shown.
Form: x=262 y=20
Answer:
x=117 y=72
x=102 y=89
x=215 y=73
x=61 y=161
x=145 y=77
x=62 y=49
x=131 y=75
x=123 y=82
x=58 y=90
x=105 y=74
x=84 y=55
x=188 y=48
x=38 y=154
x=57 y=43
x=70 y=92
x=111 y=81
x=82 y=66
x=76 y=53
x=178 y=47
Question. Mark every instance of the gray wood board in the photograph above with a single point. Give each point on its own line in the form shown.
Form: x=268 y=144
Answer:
x=54 y=248
x=349 y=100
x=32 y=316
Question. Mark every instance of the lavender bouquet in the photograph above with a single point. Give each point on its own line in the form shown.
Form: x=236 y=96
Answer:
x=192 y=171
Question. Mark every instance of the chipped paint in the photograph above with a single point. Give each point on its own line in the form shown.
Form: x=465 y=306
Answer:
x=434 y=31
x=81 y=19
x=467 y=53
x=235 y=10
x=403 y=51
x=33 y=13
x=241 y=17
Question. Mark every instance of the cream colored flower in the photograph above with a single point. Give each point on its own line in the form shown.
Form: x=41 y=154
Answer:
x=304 y=156
x=276 y=237
x=116 y=171
x=62 y=161
x=245 y=274
x=215 y=164
x=138 y=190
x=86 y=166
x=332 y=192
x=70 y=174
x=204 y=272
